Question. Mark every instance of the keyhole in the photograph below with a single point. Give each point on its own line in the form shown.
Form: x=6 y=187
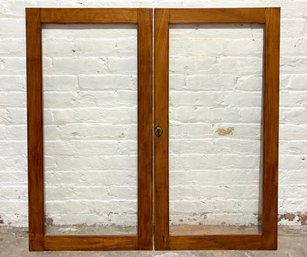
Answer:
x=158 y=131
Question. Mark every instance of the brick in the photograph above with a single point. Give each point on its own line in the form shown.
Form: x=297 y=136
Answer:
x=12 y=65
x=12 y=47
x=15 y=148
x=94 y=162
x=208 y=82
x=297 y=82
x=80 y=147
x=292 y=27
x=107 y=82
x=60 y=83
x=13 y=27
x=89 y=192
x=68 y=66
x=214 y=146
x=12 y=99
x=83 y=131
x=12 y=83
x=79 y=99
x=92 y=115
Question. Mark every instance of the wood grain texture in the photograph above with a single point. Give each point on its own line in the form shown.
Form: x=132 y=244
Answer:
x=35 y=129
x=268 y=239
x=270 y=127
x=89 y=15
x=87 y=243
x=216 y=242
x=38 y=240
x=161 y=119
x=217 y=15
x=145 y=144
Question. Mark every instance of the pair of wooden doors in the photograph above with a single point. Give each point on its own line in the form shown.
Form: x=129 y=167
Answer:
x=153 y=187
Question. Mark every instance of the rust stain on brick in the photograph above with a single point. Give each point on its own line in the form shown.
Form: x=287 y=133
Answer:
x=303 y=219
x=287 y=216
x=225 y=132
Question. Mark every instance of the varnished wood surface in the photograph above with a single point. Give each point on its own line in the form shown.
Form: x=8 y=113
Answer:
x=145 y=133
x=268 y=239
x=217 y=15
x=35 y=130
x=270 y=127
x=35 y=18
x=87 y=243
x=161 y=201
x=217 y=242
x=163 y=17
x=89 y=15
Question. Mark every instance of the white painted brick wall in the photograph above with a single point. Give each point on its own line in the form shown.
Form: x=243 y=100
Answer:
x=78 y=101
x=236 y=52
x=91 y=172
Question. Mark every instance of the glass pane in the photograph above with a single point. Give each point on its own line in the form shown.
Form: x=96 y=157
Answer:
x=215 y=128
x=90 y=129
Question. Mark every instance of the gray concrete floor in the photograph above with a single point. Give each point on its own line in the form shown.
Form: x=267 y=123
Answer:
x=292 y=243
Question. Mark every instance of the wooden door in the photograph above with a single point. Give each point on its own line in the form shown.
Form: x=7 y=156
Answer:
x=267 y=238
x=35 y=18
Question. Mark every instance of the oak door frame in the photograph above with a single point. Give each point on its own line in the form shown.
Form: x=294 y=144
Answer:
x=270 y=17
x=35 y=18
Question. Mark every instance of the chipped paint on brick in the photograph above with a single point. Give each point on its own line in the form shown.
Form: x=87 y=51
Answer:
x=48 y=221
x=303 y=218
x=287 y=216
